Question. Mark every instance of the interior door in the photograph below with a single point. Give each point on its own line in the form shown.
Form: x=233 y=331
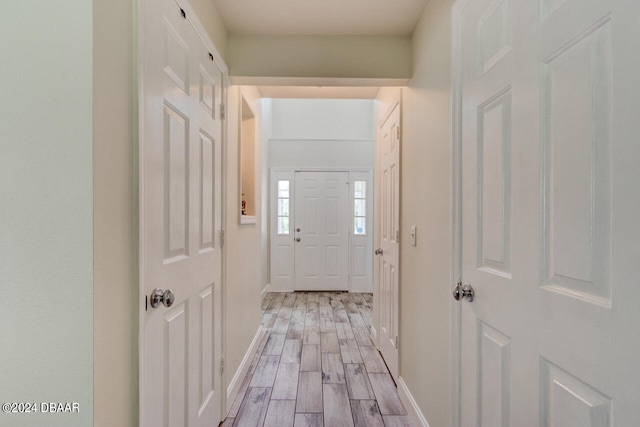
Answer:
x=321 y=231
x=549 y=243
x=180 y=195
x=389 y=238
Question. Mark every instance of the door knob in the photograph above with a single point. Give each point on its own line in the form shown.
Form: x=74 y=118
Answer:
x=378 y=251
x=298 y=230
x=158 y=296
x=297 y=239
x=463 y=292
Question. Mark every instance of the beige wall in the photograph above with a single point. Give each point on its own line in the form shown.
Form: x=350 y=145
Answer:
x=244 y=242
x=115 y=218
x=251 y=58
x=212 y=23
x=426 y=196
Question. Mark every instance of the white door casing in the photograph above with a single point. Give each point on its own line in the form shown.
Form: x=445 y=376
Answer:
x=547 y=237
x=321 y=231
x=180 y=219
x=387 y=263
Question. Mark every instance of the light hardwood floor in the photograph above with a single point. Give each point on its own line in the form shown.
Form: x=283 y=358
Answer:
x=317 y=366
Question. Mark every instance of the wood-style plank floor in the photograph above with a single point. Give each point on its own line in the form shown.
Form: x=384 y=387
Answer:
x=317 y=366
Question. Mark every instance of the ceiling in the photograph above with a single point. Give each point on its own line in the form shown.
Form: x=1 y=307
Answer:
x=323 y=92
x=320 y=17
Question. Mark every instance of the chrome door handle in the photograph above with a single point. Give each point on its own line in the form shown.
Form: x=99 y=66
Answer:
x=463 y=292
x=158 y=296
x=378 y=251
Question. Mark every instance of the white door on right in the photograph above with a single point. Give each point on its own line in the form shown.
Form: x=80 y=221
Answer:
x=389 y=238
x=549 y=96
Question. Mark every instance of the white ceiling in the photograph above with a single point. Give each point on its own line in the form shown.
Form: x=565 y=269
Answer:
x=320 y=17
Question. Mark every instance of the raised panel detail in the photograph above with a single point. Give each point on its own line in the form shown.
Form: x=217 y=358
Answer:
x=567 y=401
x=310 y=267
x=207 y=189
x=332 y=216
x=359 y=262
x=550 y=6
x=207 y=350
x=207 y=93
x=176 y=58
x=494 y=35
x=283 y=257
x=332 y=261
x=494 y=184
x=576 y=167
x=175 y=369
x=176 y=184
x=494 y=377
x=311 y=216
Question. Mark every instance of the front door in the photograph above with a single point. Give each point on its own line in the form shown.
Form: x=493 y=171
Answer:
x=549 y=98
x=180 y=202
x=321 y=231
x=389 y=238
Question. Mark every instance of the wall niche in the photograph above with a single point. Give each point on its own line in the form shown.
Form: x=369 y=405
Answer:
x=247 y=160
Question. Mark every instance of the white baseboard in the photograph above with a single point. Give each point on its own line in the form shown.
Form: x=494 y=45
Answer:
x=410 y=404
x=238 y=377
x=266 y=289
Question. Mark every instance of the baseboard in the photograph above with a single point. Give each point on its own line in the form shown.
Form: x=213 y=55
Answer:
x=266 y=289
x=241 y=372
x=410 y=404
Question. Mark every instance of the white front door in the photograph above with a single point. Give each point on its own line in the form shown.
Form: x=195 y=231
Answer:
x=180 y=195
x=549 y=99
x=321 y=231
x=389 y=236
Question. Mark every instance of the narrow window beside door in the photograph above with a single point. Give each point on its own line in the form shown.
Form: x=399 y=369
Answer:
x=359 y=208
x=283 y=207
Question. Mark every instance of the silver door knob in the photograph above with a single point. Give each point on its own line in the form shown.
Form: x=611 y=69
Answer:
x=378 y=251
x=297 y=239
x=158 y=296
x=463 y=292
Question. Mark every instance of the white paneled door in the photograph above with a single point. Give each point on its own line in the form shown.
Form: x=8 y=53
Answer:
x=321 y=231
x=548 y=100
x=180 y=194
x=388 y=252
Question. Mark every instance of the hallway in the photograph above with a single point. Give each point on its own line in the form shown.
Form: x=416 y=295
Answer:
x=317 y=366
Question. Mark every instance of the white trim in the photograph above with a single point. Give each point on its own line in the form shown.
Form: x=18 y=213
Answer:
x=236 y=382
x=410 y=404
x=456 y=210
x=248 y=219
x=266 y=289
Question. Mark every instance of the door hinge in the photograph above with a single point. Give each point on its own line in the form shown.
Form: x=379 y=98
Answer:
x=397 y=236
x=222 y=238
x=397 y=341
x=223 y=111
x=398 y=133
x=222 y=365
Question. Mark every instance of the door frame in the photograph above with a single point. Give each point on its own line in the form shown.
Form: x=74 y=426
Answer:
x=219 y=61
x=279 y=173
x=456 y=209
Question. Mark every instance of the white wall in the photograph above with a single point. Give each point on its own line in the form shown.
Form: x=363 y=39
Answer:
x=322 y=119
x=425 y=296
x=46 y=208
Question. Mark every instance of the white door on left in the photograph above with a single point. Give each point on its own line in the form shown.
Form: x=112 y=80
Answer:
x=180 y=202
